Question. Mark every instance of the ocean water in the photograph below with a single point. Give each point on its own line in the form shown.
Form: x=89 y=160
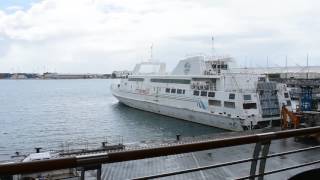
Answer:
x=54 y=113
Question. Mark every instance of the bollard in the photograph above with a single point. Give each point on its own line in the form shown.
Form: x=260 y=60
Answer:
x=178 y=137
x=38 y=149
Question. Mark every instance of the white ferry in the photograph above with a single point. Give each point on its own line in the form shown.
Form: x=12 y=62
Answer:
x=204 y=90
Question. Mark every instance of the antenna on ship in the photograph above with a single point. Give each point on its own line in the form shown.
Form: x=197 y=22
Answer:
x=267 y=65
x=307 y=66
x=286 y=67
x=151 y=53
x=212 y=58
x=212 y=44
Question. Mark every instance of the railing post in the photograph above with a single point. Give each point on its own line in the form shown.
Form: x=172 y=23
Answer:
x=262 y=165
x=82 y=174
x=265 y=150
x=99 y=173
x=254 y=162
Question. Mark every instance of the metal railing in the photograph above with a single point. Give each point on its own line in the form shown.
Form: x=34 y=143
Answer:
x=262 y=141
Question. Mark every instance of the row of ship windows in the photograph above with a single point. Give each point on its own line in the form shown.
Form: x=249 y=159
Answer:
x=175 y=81
x=218 y=103
x=228 y=104
x=196 y=93
x=173 y=90
x=212 y=94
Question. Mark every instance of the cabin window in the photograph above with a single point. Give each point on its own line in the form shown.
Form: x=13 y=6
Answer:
x=211 y=94
x=261 y=92
x=229 y=104
x=173 y=90
x=167 y=90
x=196 y=93
x=136 y=79
x=183 y=91
x=288 y=103
x=275 y=92
x=179 y=91
x=204 y=93
x=247 y=97
x=286 y=95
x=262 y=79
x=232 y=96
x=224 y=66
x=214 y=102
x=250 y=106
x=176 y=81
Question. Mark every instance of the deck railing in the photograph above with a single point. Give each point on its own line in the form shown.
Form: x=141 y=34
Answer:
x=95 y=161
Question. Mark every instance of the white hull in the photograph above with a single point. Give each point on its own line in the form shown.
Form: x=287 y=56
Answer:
x=222 y=122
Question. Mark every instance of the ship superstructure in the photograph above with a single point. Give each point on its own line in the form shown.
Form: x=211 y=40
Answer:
x=204 y=90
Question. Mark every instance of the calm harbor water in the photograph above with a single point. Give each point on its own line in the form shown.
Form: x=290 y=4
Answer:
x=48 y=113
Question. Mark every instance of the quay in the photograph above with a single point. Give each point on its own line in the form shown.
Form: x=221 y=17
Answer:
x=269 y=155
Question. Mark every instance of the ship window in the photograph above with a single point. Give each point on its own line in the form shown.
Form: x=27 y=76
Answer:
x=176 y=81
x=204 y=93
x=179 y=91
x=286 y=95
x=196 y=93
x=261 y=92
x=247 y=97
x=288 y=103
x=262 y=79
x=214 y=102
x=275 y=92
x=183 y=91
x=173 y=90
x=232 y=96
x=229 y=104
x=167 y=90
x=224 y=66
x=135 y=79
x=211 y=94
x=250 y=106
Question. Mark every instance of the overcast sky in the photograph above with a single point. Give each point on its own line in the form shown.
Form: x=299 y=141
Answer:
x=99 y=36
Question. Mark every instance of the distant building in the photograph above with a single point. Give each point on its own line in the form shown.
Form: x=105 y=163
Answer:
x=5 y=75
x=19 y=76
x=67 y=76
x=296 y=72
x=105 y=76
x=121 y=74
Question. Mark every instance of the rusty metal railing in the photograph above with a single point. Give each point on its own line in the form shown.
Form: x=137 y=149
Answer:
x=262 y=141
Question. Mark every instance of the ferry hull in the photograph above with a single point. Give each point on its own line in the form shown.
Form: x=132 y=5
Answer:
x=205 y=118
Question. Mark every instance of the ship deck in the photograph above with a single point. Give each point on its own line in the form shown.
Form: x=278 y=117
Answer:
x=159 y=165
x=132 y=169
